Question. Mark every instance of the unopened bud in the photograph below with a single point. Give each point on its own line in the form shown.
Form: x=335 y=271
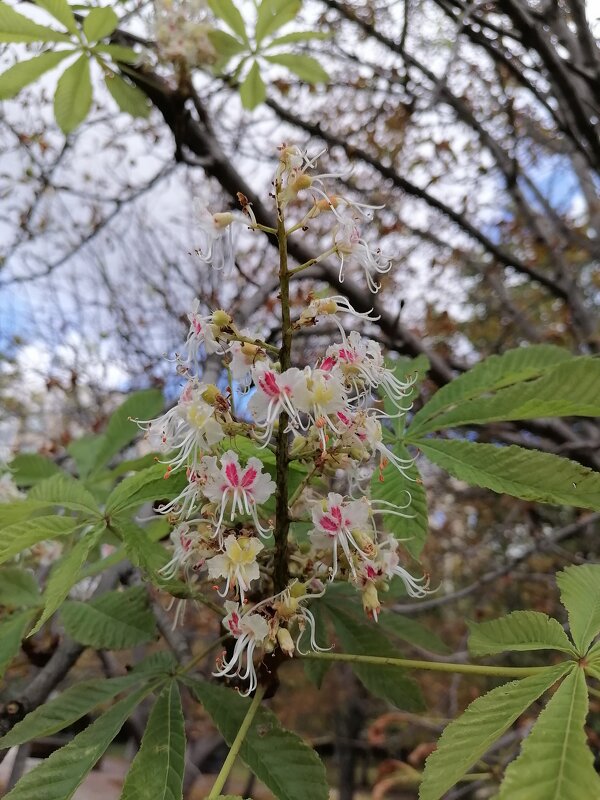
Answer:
x=210 y=394
x=370 y=600
x=250 y=350
x=285 y=641
x=301 y=181
x=223 y=218
x=221 y=318
x=298 y=589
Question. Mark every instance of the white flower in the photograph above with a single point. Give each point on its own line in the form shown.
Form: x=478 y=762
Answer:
x=189 y=427
x=351 y=248
x=244 y=355
x=330 y=307
x=345 y=523
x=204 y=331
x=237 y=564
x=275 y=392
x=358 y=357
x=321 y=396
x=389 y=561
x=190 y=549
x=242 y=489
x=250 y=630
x=217 y=248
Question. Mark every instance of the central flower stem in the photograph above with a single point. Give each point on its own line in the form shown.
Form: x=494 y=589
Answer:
x=282 y=512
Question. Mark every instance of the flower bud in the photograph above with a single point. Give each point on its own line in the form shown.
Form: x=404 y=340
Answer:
x=210 y=394
x=250 y=350
x=223 y=219
x=221 y=318
x=285 y=641
x=301 y=181
x=370 y=600
x=298 y=589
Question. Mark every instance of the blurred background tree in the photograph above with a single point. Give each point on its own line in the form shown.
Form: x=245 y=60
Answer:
x=475 y=123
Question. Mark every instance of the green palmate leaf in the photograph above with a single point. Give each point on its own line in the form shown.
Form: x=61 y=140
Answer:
x=306 y=68
x=59 y=775
x=66 y=492
x=227 y=11
x=18 y=537
x=122 y=429
x=114 y=621
x=253 y=90
x=360 y=637
x=466 y=739
x=73 y=96
x=315 y=670
x=61 y=11
x=12 y=631
x=551 y=395
x=520 y=630
x=25 y=72
x=17 y=28
x=393 y=487
x=555 y=761
x=30 y=468
x=128 y=97
x=18 y=588
x=279 y=758
x=117 y=52
x=99 y=23
x=225 y=44
x=298 y=36
x=517 y=471
x=162 y=663
x=274 y=14
x=154 y=483
x=61 y=712
x=411 y=631
x=134 y=464
x=157 y=770
x=489 y=375
x=65 y=574
x=580 y=595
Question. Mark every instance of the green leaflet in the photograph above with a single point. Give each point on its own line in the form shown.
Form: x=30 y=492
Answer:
x=122 y=428
x=115 y=620
x=516 y=471
x=61 y=11
x=520 y=630
x=306 y=68
x=361 y=637
x=153 y=483
x=30 y=468
x=409 y=630
x=59 y=775
x=253 y=90
x=25 y=72
x=394 y=488
x=99 y=23
x=315 y=670
x=551 y=395
x=157 y=770
x=227 y=11
x=279 y=758
x=128 y=97
x=17 y=28
x=21 y=535
x=580 y=594
x=18 y=588
x=66 y=492
x=466 y=739
x=73 y=96
x=555 y=761
x=74 y=703
x=65 y=574
x=274 y=14
x=489 y=375
x=12 y=631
